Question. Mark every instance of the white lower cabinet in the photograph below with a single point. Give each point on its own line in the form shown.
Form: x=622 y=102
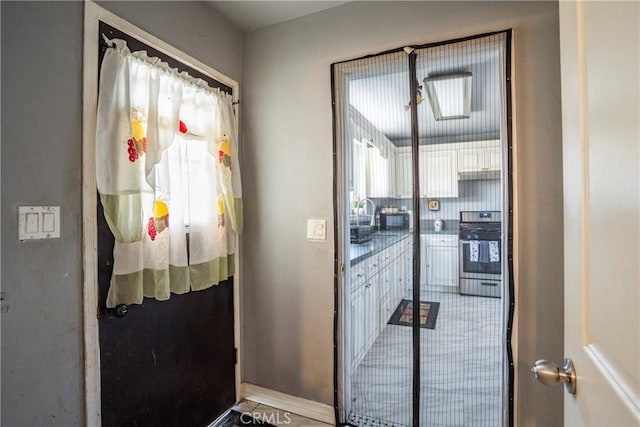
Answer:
x=440 y=261
x=378 y=284
x=442 y=266
x=371 y=301
x=357 y=324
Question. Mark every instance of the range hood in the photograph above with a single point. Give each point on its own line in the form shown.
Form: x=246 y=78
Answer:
x=478 y=175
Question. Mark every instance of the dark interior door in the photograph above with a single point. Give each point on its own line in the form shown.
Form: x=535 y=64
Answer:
x=169 y=363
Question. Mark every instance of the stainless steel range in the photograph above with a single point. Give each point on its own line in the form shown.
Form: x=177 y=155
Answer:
x=481 y=253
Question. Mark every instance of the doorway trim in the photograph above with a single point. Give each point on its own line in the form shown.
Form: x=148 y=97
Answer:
x=509 y=210
x=91 y=346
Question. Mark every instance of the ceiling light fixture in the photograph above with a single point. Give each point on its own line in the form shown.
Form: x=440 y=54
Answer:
x=449 y=95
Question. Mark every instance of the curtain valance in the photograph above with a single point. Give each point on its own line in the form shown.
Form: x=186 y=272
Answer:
x=168 y=177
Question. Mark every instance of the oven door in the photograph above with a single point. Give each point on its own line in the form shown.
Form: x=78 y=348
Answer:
x=480 y=259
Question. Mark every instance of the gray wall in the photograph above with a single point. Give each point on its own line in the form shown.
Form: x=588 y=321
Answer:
x=473 y=195
x=42 y=375
x=288 y=176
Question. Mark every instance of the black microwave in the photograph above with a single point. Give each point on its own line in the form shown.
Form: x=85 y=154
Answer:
x=394 y=220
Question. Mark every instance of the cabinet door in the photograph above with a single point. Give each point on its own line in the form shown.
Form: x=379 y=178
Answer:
x=402 y=273
x=385 y=278
x=470 y=159
x=372 y=311
x=442 y=266
x=424 y=265
x=386 y=310
x=408 y=274
x=404 y=175
x=379 y=170
x=493 y=158
x=358 y=171
x=357 y=324
x=479 y=159
x=439 y=173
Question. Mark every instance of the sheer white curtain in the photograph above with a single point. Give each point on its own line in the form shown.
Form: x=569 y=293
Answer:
x=168 y=177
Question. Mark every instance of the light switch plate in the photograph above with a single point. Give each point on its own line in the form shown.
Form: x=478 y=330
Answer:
x=316 y=229
x=38 y=222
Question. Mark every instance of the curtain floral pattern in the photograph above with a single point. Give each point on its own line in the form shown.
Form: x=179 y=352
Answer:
x=168 y=177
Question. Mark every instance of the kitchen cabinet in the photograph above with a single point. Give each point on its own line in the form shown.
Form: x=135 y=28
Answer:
x=358 y=170
x=380 y=173
x=404 y=175
x=439 y=173
x=372 y=310
x=392 y=282
x=441 y=166
x=439 y=254
x=357 y=324
x=378 y=283
x=483 y=158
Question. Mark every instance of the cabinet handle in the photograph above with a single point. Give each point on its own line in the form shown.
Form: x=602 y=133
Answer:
x=374 y=265
x=359 y=275
x=368 y=285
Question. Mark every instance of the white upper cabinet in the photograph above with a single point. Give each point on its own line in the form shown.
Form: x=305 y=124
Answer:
x=358 y=170
x=481 y=157
x=404 y=174
x=380 y=173
x=442 y=165
x=439 y=173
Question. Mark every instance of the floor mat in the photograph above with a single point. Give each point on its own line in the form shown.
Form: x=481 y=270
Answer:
x=404 y=314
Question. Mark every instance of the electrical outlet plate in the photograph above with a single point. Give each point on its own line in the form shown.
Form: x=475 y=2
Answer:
x=317 y=229
x=38 y=222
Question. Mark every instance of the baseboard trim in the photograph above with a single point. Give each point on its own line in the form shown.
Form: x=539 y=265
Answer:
x=286 y=402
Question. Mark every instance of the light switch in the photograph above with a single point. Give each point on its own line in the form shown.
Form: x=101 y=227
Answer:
x=33 y=223
x=316 y=229
x=38 y=222
x=48 y=222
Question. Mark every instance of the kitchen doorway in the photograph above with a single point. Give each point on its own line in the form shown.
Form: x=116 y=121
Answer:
x=423 y=217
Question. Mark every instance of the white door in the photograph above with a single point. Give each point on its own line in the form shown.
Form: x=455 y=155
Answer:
x=600 y=97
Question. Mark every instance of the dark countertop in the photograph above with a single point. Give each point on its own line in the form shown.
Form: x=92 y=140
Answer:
x=382 y=239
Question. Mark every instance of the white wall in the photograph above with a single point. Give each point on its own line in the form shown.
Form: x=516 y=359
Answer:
x=288 y=177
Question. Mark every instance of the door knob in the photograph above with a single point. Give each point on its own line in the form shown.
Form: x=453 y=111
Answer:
x=119 y=311
x=548 y=373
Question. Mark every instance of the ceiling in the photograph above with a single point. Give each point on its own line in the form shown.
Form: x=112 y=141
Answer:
x=380 y=91
x=382 y=97
x=254 y=15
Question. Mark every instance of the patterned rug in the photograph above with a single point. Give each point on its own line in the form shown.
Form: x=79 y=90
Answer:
x=404 y=314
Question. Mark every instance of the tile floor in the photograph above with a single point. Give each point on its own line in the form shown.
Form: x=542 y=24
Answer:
x=461 y=368
x=276 y=417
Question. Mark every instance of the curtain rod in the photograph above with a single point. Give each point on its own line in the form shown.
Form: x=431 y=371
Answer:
x=135 y=45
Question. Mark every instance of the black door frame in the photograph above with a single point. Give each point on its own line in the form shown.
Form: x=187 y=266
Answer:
x=338 y=232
